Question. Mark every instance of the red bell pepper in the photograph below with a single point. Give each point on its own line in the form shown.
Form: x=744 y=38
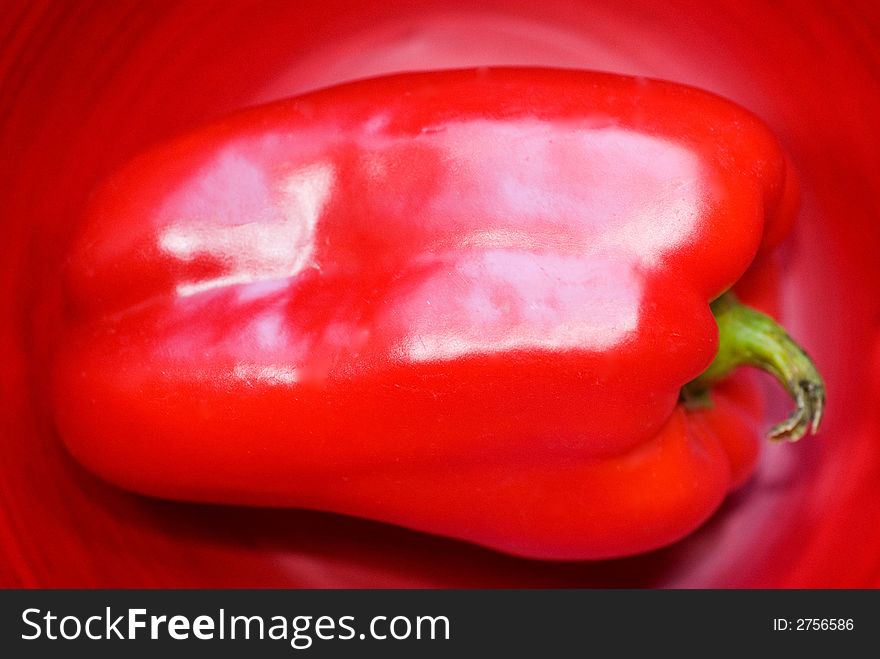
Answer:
x=466 y=302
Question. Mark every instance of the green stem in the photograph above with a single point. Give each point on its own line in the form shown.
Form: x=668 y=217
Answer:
x=747 y=337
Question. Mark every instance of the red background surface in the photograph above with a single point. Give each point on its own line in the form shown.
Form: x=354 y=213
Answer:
x=86 y=85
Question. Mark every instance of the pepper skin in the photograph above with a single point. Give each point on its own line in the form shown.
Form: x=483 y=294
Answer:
x=463 y=302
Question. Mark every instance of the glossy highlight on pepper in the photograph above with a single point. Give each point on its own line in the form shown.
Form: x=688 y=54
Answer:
x=464 y=302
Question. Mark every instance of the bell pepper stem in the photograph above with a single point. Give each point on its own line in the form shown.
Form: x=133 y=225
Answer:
x=750 y=338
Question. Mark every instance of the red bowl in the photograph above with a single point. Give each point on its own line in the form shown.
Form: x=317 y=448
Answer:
x=87 y=85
